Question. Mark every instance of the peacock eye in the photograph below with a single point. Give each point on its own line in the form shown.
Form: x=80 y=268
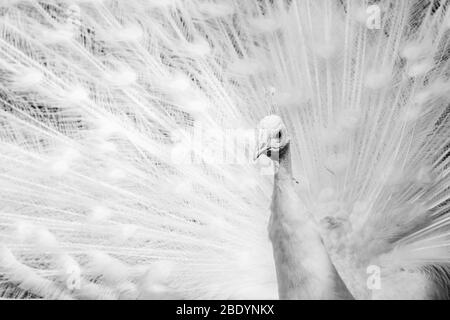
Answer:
x=279 y=135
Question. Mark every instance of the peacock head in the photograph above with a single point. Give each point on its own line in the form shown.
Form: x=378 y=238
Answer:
x=272 y=137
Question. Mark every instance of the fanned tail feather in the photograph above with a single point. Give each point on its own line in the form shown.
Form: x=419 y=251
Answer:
x=126 y=142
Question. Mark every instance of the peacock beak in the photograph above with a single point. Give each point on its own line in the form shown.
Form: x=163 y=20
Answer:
x=258 y=153
x=262 y=145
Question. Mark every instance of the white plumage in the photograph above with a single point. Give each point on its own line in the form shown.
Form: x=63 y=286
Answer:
x=126 y=141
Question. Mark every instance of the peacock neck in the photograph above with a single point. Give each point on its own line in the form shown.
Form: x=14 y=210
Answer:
x=304 y=270
x=284 y=170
